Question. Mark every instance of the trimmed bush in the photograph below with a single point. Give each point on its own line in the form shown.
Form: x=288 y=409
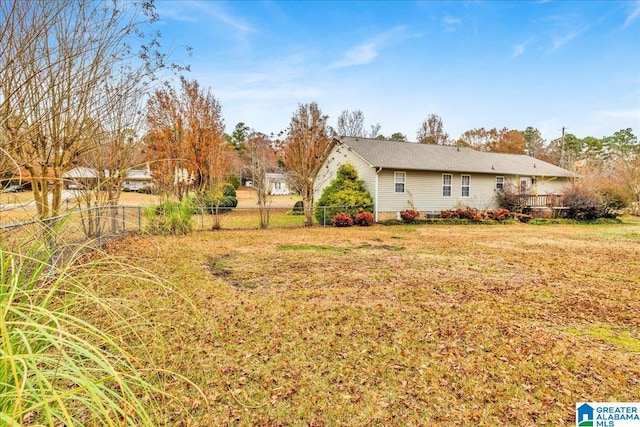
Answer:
x=342 y=220
x=472 y=214
x=346 y=194
x=206 y=201
x=409 y=215
x=298 y=208
x=363 y=219
x=499 y=214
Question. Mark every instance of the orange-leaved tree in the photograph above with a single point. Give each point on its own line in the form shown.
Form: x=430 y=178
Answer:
x=185 y=140
x=306 y=142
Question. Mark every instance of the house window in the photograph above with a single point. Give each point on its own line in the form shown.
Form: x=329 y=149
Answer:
x=278 y=185
x=400 y=180
x=446 y=185
x=499 y=182
x=466 y=185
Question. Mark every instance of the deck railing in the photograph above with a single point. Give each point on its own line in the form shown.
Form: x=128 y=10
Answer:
x=541 y=200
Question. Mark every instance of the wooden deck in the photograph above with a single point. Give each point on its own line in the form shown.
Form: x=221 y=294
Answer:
x=541 y=201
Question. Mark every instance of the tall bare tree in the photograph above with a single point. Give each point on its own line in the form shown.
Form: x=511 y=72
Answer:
x=431 y=131
x=262 y=161
x=56 y=58
x=351 y=123
x=308 y=138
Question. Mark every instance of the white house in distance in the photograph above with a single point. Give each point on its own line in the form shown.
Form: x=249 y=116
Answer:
x=278 y=184
x=83 y=177
x=432 y=178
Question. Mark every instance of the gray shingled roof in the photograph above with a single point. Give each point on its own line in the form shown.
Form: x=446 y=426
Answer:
x=412 y=156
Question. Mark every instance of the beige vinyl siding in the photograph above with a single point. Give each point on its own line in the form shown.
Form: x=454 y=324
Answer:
x=424 y=190
x=338 y=156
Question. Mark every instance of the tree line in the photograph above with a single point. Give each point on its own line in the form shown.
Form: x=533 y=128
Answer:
x=82 y=85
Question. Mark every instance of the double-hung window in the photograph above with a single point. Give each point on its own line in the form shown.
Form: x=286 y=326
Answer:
x=400 y=181
x=446 y=185
x=499 y=182
x=466 y=185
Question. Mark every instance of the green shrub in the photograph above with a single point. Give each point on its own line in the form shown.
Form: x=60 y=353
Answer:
x=234 y=181
x=206 y=202
x=342 y=220
x=298 y=208
x=346 y=194
x=170 y=218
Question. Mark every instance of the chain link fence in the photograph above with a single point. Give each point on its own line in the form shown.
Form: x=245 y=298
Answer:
x=92 y=227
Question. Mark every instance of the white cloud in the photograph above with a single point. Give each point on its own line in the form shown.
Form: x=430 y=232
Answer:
x=358 y=55
x=559 y=42
x=365 y=53
x=518 y=50
x=635 y=14
x=451 y=23
x=631 y=114
x=194 y=11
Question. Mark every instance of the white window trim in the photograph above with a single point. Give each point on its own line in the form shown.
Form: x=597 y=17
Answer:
x=503 y=183
x=396 y=182
x=462 y=186
x=450 y=185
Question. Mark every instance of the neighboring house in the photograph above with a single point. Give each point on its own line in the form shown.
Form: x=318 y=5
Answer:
x=80 y=177
x=432 y=178
x=138 y=179
x=83 y=177
x=278 y=184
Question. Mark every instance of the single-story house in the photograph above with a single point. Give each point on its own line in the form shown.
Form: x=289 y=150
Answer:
x=82 y=177
x=278 y=184
x=432 y=178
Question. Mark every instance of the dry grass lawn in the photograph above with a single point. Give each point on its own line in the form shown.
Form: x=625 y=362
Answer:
x=400 y=325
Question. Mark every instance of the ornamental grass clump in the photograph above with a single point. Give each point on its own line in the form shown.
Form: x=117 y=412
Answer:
x=58 y=368
x=170 y=218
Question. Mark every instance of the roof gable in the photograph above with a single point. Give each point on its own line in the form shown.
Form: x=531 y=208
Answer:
x=413 y=156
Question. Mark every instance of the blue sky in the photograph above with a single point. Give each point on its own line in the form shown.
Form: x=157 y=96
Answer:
x=545 y=64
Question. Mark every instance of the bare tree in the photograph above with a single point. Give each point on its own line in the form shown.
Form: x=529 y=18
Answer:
x=351 y=123
x=56 y=58
x=431 y=131
x=375 y=131
x=306 y=142
x=263 y=160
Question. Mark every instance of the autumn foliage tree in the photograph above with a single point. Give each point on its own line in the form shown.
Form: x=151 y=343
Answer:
x=431 y=131
x=307 y=139
x=494 y=140
x=185 y=140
